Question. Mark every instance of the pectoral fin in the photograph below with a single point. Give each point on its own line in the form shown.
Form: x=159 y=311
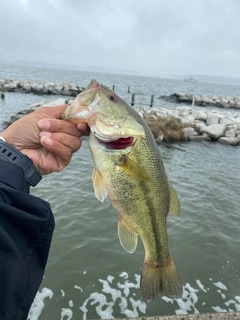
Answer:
x=175 y=207
x=132 y=168
x=99 y=186
x=127 y=237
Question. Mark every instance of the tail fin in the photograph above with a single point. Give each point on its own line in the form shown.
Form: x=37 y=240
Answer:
x=163 y=278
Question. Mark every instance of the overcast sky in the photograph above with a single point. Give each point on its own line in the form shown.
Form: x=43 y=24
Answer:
x=152 y=37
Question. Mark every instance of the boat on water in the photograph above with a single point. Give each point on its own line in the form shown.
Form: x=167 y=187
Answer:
x=191 y=79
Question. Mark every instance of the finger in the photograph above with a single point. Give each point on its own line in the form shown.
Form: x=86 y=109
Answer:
x=64 y=139
x=52 y=111
x=84 y=128
x=55 y=125
x=64 y=153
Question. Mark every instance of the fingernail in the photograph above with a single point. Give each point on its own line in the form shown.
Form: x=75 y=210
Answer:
x=43 y=124
x=45 y=134
x=47 y=141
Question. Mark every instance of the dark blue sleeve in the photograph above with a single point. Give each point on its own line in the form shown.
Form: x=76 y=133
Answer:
x=26 y=227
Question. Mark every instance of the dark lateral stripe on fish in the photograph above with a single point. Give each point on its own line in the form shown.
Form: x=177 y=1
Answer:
x=154 y=225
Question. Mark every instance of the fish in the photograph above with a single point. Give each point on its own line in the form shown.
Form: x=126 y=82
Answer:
x=129 y=171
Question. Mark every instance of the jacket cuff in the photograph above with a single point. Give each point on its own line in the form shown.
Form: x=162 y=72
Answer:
x=13 y=176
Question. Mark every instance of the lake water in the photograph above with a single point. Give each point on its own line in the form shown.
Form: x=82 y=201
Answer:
x=89 y=275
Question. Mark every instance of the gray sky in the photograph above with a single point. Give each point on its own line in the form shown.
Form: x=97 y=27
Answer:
x=152 y=37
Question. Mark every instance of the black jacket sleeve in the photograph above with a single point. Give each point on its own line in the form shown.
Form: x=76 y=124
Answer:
x=26 y=227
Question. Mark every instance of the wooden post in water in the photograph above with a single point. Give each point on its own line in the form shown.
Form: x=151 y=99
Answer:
x=2 y=91
x=151 y=101
x=114 y=87
x=133 y=99
x=128 y=89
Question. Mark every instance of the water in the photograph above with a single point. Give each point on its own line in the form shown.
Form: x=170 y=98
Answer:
x=89 y=275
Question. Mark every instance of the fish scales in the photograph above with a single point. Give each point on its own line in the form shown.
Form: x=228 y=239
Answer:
x=148 y=197
x=133 y=178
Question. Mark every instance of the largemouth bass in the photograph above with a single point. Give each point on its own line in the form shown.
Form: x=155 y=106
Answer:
x=128 y=169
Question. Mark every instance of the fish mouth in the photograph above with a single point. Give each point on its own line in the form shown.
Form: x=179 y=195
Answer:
x=119 y=135
x=121 y=143
x=116 y=143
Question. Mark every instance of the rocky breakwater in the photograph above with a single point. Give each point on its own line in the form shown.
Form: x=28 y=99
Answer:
x=40 y=88
x=175 y=124
x=200 y=124
x=221 y=102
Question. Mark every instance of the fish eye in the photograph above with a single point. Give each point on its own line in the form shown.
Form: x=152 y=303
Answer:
x=112 y=98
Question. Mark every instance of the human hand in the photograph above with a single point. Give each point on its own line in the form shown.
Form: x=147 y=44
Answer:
x=48 y=141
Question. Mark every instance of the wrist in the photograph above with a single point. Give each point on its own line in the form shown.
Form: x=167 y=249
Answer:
x=10 y=154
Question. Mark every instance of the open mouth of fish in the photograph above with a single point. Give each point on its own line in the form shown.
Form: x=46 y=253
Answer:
x=119 y=143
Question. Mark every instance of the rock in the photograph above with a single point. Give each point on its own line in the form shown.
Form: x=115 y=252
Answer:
x=159 y=139
x=12 y=85
x=230 y=141
x=37 y=88
x=170 y=98
x=183 y=113
x=212 y=119
x=231 y=131
x=57 y=89
x=214 y=131
x=187 y=119
x=209 y=101
x=224 y=101
x=185 y=99
x=200 y=124
x=14 y=118
x=237 y=105
x=37 y=105
x=6 y=124
x=226 y=121
x=236 y=120
x=56 y=102
x=203 y=137
x=179 y=94
x=221 y=102
x=23 y=112
x=183 y=108
x=66 y=90
x=200 y=115
x=26 y=86
x=190 y=132
x=230 y=134
x=172 y=112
